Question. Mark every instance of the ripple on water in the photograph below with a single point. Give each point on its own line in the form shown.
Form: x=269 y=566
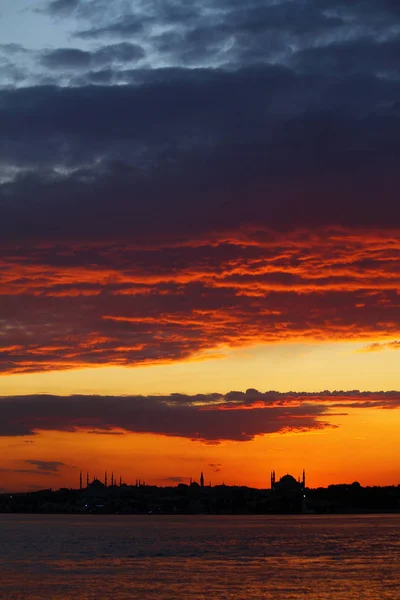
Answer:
x=235 y=558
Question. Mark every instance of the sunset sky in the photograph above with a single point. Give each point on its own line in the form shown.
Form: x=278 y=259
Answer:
x=199 y=241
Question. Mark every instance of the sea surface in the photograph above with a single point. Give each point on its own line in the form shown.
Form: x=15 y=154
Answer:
x=199 y=557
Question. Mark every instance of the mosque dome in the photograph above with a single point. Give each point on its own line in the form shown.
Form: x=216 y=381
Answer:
x=96 y=483
x=288 y=485
x=287 y=479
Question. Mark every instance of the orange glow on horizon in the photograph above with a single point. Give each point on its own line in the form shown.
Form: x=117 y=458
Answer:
x=340 y=455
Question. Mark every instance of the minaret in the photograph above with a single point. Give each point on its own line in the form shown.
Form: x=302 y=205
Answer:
x=112 y=479
x=304 y=479
x=87 y=479
x=105 y=478
x=120 y=481
x=80 y=480
x=201 y=479
x=272 y=480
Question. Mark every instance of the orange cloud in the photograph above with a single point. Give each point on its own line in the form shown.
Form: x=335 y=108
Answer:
x=378 y=346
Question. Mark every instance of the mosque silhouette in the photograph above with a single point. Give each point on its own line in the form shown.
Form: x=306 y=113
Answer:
x=284 y=495
x=288 y=484
x=98 y=485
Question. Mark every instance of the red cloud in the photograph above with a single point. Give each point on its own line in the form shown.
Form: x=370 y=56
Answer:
x=67 y=306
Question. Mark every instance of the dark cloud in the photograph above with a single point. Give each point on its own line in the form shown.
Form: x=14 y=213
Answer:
x=216 y=467
x=161 y=415
x=125 y=28
x=66 y=58
x=21 y=443
x=62 y=7
x=31 y=471
x=102 y=432
x=13 y=69
x=227 y=32
x=12 y=75
x=45 y=465
x=73 y=58
x=351 y=57
x=368 y=8
x=122 y=53
x=257 y=145
x=101 y=76
x=240 y=418
x=41 y=467
x=241 y=34
x=13 y=49
x=155 y=414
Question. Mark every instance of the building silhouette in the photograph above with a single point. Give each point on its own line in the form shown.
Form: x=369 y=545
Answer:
x=288 y=493
x=288 y=483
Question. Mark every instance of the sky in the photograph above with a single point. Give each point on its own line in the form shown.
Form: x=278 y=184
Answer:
x=199 y=241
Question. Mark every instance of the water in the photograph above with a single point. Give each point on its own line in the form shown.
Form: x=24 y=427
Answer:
x=199 y=557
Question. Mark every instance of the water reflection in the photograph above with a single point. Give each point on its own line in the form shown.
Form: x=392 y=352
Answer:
x=241 y=558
